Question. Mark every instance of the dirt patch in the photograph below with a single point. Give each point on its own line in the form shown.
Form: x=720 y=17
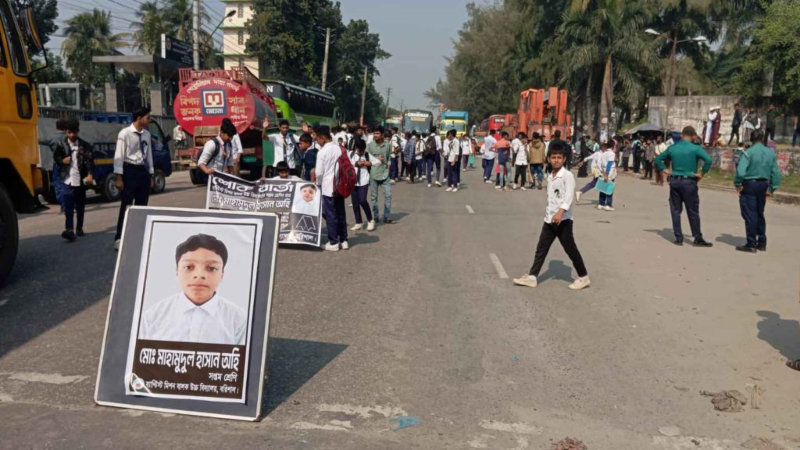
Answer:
x=572 y=444
x=727 y=401
x=755 y=443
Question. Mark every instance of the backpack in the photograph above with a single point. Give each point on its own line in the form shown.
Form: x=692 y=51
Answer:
x=430 y=146
x=345 y=176
x=199 y=153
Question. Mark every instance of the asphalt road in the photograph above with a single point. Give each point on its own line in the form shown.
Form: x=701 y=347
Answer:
x=415 y=320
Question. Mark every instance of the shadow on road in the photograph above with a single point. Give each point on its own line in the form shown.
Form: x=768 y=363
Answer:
x=665 y=233
x=292 y=363
x=363 y=239
x=731 y=240
x=397 y=217
x=557 y=270
x=780 y=333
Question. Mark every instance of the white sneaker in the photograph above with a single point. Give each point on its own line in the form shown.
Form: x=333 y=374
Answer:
x=526 y=280
x=438 y=184
x=488 y=181
x=449 y=189
x=357 y=227
x=429 y=185
x=580 y=283
x=578 y=197
x=371 y=225
x=345 y=245
x=608 y=208
x=116 y=245
x=392 y=182
x=498 y=187
x=455 y=189
x=599 y=206
x=332 y=247
x=523 y=188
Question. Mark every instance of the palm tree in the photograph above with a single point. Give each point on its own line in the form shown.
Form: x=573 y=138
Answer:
x=605 y=37
x=147 y=37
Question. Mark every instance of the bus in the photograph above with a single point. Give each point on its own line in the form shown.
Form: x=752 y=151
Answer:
x=418 y=120
x=20 y=177
x=63 y=95
x=303 y=104
x=393 y=121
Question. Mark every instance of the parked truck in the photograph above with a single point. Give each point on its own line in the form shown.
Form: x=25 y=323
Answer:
x=544 y=111
x=208 y=96
x=454 y=120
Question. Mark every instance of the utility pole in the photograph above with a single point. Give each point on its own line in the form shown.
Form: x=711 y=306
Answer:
x=196 y=33
x=388 y=97
x=402 y=103
x=325 y=61
x=363 y=98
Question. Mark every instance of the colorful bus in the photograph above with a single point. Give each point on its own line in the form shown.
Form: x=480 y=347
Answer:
x=495 y=122
x=418 y=120
x=303 y=104
x=454 y=120
x=393 y=121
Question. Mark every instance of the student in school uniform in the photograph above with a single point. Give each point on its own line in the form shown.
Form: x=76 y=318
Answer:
x=333 y=208
x=557 y=221
x=503 y=148
x=609 y=173
x=284 y=173
x=419 y=161
x=452 y=152
x=362 y=162
x=520 y=157
x=409 y=151
x=74 y=162
x=217 y=155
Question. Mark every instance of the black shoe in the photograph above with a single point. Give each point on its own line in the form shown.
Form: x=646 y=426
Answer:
x=678 y=242
x=388 y=220
x=702 y=243
x=746 y=248
x=762 y=248
x=69 y=235
x=79 y=232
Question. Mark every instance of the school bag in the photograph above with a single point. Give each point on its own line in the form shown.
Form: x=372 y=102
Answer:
x=199 y=153
x=430 y=146
x=346 y=176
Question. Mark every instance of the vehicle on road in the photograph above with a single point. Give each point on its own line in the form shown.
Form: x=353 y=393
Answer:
x=299 y=104
x=393 y=121
x=453 y=120
x=418 y=120
x=544 y=111
x=63 y=95
x=20 y=177
x=493 y=122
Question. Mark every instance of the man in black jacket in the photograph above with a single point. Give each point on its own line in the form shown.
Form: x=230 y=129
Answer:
x=74 y=163
x=736 y=124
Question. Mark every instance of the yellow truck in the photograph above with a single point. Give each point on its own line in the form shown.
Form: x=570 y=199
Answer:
x=21 y=178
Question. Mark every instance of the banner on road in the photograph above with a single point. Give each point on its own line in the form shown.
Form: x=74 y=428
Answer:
x=189 y=314
x=297 y=203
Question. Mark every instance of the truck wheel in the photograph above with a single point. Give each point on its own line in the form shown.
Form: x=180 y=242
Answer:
x=110 y=191
x=9 y=235
x=159 y=182
x=196 y=176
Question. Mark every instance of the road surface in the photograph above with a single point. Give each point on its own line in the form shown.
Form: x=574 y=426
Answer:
x=418 y=319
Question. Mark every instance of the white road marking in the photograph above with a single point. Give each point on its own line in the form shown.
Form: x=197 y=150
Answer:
x=313 y=426
x=498 y=266
x=5 y=398
x=519 y=428
x=4 y=301
x=365 y=412
x=49 y=378
x=693 y=443
x=470 y=210
x=481 y=441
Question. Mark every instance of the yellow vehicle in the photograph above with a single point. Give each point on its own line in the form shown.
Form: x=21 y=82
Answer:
x=20 y=177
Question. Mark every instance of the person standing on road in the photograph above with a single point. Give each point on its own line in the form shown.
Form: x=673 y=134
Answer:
x=217 y=154
x=536 y=156
x=381 y=149
x=684 y=177
x=363 y=162
x=55 y=142
x=397 y=155
x=133 y=166
x=608 y=169
x=466 y=151
x=75 y=162
x=489 y=155
x=769 y=132
x=452 y=152
x=558 y=221
x=409 y=153
x=595 y=163
x=736 y=123
x=503 y=156
x=285 y=145
x=757 y=176
x=332 y=203
x=661 y=147
x=520 y=155
x=649 y=156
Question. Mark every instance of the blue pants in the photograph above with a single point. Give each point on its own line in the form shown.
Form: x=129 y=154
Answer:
x=606 y=200
x=387 y=197
x=464 y=162
x=393 y=169
x=430 y=161
x=335 y=218
x=488 y=165
x=135 y=191
x=57 y=185
x=537 y=173
x=794 y=137
x=683 y=191
x=73 y=200
x=359 y=198
x=752 y=201
x=446 y=167
x=589 y=186
x=454 y=178
x=502 y=175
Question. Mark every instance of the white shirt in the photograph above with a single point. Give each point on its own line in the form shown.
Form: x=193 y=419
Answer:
x=521 y=155
x=236 y=146
x=488 y=148
x=560 y=193
x=608 y=156
x=74 y=173
x=397 y=145
x=133 y=147
x=223 y=158
x=290 y=178
x=438 y=142
x=451 y=149
x=176 y=318
x=420 y=148
x=178 y=133
x=342 y=135
x=466 y=147
x=291 y=143
x=326 y=167
x=363 y=177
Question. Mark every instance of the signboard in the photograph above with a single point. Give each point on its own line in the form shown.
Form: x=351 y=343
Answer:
x=189 y=314
x=176 y=50
x=296 y=202
x=205 y=102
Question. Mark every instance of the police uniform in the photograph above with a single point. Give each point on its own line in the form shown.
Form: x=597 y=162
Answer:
x=756 y=174
x=684 y=157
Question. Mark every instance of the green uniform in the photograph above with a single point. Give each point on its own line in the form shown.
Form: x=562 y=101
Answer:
x=684 y=156
x=381 y=172
x=758 y=163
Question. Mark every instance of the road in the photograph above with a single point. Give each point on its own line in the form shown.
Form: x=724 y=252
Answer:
x=416 y=320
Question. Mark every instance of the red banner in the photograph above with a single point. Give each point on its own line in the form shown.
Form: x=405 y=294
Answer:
x=206 y=102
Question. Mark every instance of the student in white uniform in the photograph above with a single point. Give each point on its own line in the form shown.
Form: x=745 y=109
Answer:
x=519 y=152
x=286 y=147
x=362 y=162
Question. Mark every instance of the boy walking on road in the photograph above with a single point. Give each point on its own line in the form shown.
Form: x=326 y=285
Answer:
x=558 y=221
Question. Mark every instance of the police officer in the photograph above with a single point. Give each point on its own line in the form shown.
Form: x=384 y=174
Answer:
x=133 y=166
x=684 y=177
x=756 y=174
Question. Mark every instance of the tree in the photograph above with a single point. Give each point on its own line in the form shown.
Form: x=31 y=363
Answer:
x=88 y=35
x=45 y=13
x=54 y=73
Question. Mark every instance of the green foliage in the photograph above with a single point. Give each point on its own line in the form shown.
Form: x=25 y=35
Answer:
x=44 y=16
x=173 y=18
x=54 y=73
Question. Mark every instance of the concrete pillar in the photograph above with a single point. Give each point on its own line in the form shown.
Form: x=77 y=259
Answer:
x=111 y=96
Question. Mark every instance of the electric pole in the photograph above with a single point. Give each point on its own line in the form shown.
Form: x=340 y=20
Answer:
x=325 y=61
x=363 y=98
x=388 y=97
x=402 y=103
x=196 y=33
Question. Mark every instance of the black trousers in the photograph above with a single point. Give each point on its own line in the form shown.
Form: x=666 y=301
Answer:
x=734 y=132
x=683 y=191
x=360 y=201
x=769 y=133
x=74 y=203
x=563 y=232
x=637 y=162
x=752 y=201
x=520 y=172
x=135 y=191
x=648 y=169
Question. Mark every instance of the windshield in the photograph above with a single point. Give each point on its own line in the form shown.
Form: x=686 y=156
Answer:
x=447 y=125
x=418 y=124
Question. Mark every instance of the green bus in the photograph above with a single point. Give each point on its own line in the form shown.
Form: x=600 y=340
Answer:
x=302 y=104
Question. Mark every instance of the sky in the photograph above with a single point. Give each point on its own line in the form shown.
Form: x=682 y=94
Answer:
x=417 y=33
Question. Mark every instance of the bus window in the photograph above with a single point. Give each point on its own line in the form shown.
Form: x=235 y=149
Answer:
x=15 y=48
x=24 y=101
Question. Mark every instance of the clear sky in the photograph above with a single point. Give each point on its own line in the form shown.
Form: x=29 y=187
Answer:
x=418 y=34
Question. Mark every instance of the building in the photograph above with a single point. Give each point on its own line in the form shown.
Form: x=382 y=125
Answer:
x=235 y=35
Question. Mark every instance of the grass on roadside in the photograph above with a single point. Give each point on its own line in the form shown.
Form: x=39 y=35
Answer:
x=790 y=184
